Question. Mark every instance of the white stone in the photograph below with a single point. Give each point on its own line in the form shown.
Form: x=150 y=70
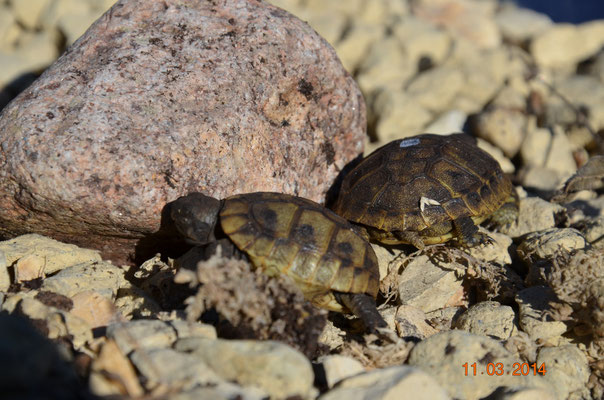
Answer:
x=398 y=382
x=520 y=24
x=274 y=367
x=338 y=367
x=545 y=244
x=567 y=370
x=29 y=12
x=9 y=29
x=488 y=318
x=448 y=122
x=435 y=88
x=533 y=303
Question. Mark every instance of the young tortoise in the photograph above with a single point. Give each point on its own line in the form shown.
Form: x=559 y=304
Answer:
x=427 y=189
x=333 y=265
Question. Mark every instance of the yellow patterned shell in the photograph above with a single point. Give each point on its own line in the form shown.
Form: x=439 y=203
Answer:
x=421 y=184
x=318 y=249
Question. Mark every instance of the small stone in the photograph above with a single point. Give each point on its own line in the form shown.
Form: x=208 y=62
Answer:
x=534 y=147
x=488 y=318
x=447 y=123
x=463 y=18
x=141 y=334
x=29 y=268
x=172 y=368
x=520 y=24
x=94 y=308
x=353 y=47
x=567 y=370
x=339 y=367
x=533 y=304
x=503 y=127
x=9 y=29
x=592 y=229
x=583 y=90
x=534 y=214
x=420 y=39
x=435 y=88
x=444 y=318
x=449 y=357
x=545 y=244
x=56 y=255
x=428 y=287
x=385 y=66
x=563 y=45
x=132 y=302
x=400 y=115
x=274 y=367
x=541 y=179
x=101 y=277
x=411 y=323
x=495 y=252
x=505 y=163
x=388 y=383
x=329 y=26
x=113 y=374
x=29 y=12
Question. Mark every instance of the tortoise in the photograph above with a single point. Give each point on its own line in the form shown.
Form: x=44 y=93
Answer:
x=427 y=189
x=325 y=256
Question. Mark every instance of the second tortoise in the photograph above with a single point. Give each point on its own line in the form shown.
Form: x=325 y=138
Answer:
x=427 y=189
x=334 y=266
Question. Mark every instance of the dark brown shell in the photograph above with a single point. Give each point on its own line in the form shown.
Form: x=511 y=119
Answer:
x=290 y=235
x=417 y=183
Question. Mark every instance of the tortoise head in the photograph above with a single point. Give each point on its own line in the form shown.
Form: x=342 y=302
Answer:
x=195 y=216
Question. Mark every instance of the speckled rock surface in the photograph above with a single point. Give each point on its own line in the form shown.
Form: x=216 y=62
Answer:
x=221 y=99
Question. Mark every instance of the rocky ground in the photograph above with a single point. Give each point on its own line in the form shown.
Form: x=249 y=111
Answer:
x=521 y=318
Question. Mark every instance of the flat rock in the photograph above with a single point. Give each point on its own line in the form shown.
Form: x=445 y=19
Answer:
x=274 y=367
x=397 y=382
x=444 y=355
x=175 y=100
x=99 y=276
x=56 y=255
x=488 y=318
x=411 y=323
x=427 y=286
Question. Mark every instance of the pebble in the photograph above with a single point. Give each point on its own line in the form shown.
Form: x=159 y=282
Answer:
x=274 y=367
x=444 y=355
x=29 y=12
x=503 y=127
x=410 y=323
x=534 y=214
x=488 y=318
x=435 y=89
x=164 y=366
x=545 y=244
x=420 y=39
x=567 y=370
x=533 y=303
x=388 y=383
x=111 y=362
x=520 y=24
x=338 y=367
x=448 y=122
x=401 y=116
x=385 y=66
x=9 y=29
x=563 y=45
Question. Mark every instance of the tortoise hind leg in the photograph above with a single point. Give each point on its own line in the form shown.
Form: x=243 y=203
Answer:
x=467 y=233
x=506 y=215
x=363 y=306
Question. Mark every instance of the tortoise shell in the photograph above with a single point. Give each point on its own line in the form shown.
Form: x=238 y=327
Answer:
x=319 y=250
x=421 y=185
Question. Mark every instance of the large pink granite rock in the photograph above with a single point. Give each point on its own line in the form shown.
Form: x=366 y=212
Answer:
x=160 y=98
